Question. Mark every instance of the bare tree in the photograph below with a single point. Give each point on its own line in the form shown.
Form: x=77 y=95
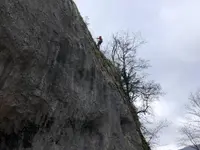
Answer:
x=133 y=80
x=190 y=131
x=189 y=137
x=123 y=54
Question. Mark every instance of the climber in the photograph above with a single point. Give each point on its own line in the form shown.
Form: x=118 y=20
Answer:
x=100 y=40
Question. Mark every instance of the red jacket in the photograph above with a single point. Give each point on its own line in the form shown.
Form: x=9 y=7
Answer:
x=100 y=38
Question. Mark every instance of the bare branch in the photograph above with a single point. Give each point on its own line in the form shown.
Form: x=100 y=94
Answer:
x=123 y=50
x=152 y=133
x=191 y=131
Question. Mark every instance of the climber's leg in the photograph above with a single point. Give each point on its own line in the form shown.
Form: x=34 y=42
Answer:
x=98 y=44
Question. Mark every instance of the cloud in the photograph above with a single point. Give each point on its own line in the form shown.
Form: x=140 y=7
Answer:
x=182 y=24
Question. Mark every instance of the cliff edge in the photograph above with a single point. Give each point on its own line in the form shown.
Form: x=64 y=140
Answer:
x=57 y=91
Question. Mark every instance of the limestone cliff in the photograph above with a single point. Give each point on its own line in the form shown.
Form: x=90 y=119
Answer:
x=57 y=92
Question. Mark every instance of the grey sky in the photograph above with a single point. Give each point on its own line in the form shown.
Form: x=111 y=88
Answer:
x=172 y=30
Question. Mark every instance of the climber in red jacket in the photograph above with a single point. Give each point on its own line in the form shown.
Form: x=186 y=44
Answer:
x=100 y=40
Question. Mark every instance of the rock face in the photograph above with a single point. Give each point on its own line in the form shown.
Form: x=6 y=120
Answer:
x=57 y=91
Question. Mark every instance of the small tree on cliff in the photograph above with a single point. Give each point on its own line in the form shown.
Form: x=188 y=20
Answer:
x=122 y=50
x=190 y=130
x=133 y=81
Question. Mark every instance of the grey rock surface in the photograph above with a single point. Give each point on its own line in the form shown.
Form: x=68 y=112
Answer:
x=56 y=93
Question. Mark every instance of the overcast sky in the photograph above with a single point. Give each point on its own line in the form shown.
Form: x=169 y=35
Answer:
x=172 y=31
